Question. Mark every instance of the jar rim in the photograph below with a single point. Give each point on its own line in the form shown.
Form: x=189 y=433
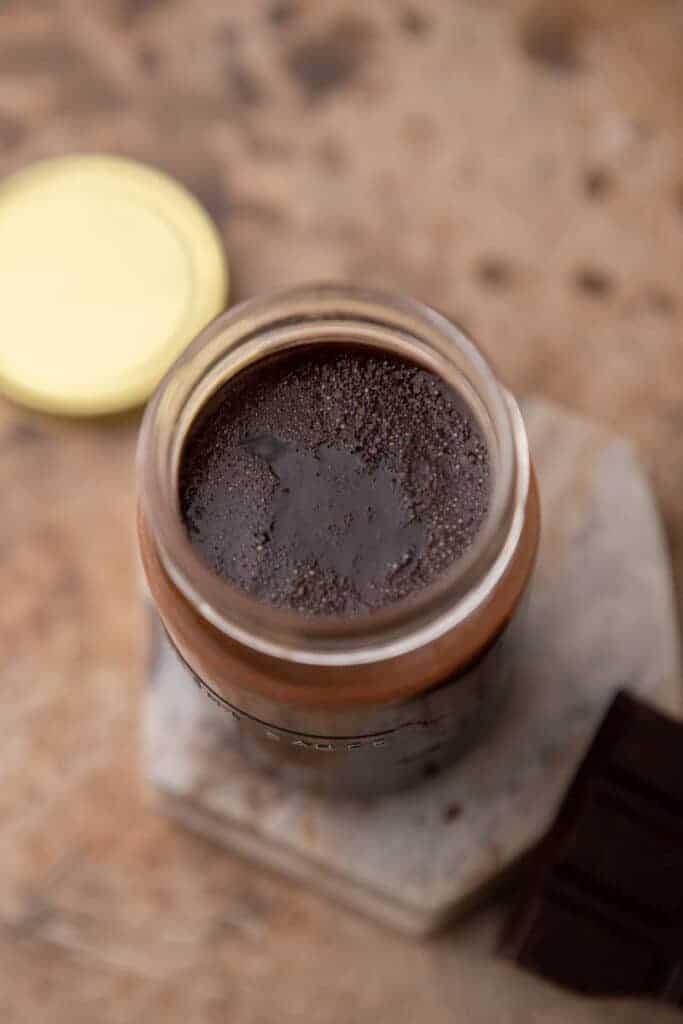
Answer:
x=332 y=314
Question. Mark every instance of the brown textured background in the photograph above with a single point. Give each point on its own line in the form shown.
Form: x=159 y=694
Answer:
x=518 y=165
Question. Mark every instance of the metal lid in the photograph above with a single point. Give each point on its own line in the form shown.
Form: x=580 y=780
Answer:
x=108 y=269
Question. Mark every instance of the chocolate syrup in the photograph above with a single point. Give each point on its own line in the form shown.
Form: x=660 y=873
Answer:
x=334 y=480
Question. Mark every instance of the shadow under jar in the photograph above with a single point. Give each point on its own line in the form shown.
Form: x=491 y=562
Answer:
x=374 y=698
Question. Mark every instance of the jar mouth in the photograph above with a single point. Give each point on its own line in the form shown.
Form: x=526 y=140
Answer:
x=333 y=315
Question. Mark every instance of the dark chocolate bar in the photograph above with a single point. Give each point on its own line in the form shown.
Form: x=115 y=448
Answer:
x=603 y=913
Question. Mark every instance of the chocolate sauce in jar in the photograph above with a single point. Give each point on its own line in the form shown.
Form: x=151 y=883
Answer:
x=338 y=521
x=334 y=480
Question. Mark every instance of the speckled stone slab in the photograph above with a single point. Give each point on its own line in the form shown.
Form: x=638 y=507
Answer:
x=600 y=617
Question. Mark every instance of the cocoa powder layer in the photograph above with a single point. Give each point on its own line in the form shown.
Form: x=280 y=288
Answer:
x=334 y=480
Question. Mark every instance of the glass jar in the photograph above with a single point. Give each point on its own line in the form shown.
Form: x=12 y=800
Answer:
x=359 y=704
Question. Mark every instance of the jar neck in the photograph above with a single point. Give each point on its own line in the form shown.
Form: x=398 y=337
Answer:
x=332 y=315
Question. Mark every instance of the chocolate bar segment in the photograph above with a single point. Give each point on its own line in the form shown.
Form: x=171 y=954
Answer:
x=603 y=910
x=577 y=947
x=620 y=848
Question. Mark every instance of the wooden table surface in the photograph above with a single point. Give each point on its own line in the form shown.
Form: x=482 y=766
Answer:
x=518 y=165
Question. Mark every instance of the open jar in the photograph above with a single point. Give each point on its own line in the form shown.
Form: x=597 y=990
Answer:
x=360 y=704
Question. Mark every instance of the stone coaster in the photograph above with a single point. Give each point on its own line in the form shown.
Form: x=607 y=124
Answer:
x=600 y=617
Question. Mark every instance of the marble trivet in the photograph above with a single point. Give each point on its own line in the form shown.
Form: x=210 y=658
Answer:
x=600 y=617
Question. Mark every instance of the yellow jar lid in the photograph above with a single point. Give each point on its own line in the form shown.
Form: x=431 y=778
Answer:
x=108 y=269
